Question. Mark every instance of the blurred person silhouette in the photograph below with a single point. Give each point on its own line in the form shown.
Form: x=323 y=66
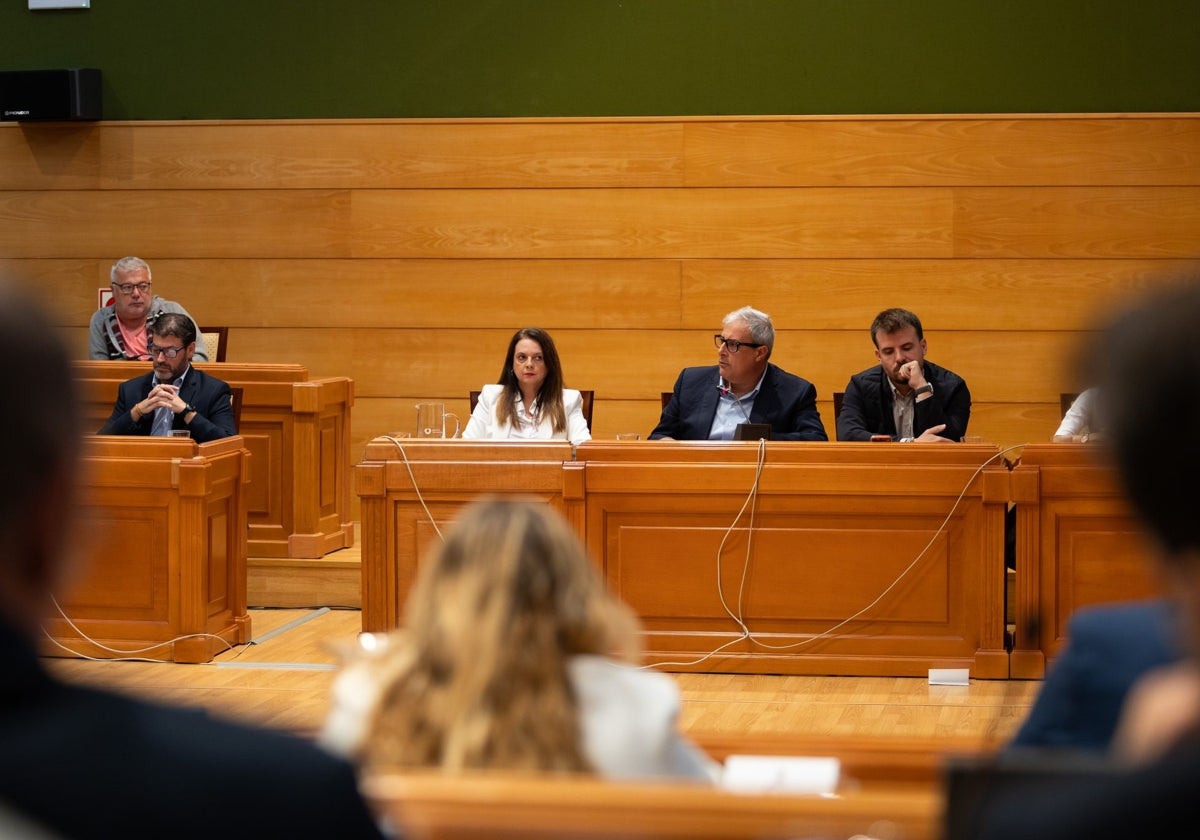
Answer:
x=87 y=763
x=513 y=655
x=1108 y=648
x=1154 y=790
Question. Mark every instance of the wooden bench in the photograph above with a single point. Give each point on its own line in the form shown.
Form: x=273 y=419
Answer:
x=431 y=806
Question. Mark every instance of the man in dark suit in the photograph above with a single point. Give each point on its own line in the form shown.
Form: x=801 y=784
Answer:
x=85 y=763
x=1109 y=646
x=709 y=403
x=174 y=395
x=904 y=397
x=1145 y=365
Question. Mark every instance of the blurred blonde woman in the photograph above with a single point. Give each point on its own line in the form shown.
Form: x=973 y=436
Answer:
x=513 y=655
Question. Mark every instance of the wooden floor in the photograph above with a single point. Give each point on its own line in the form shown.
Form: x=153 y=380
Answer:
x=282 y=680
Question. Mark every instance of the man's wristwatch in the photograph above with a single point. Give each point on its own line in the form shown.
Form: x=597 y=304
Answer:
x=927 y=388
x=187 y=407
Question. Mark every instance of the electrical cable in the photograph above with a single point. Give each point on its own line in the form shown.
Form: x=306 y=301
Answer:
x=746 y=632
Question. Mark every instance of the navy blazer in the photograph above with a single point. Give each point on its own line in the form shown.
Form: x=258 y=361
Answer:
x=1109 y=646
x=785 y=401
x=87 y=763
x=210 y=396
x=867 y=406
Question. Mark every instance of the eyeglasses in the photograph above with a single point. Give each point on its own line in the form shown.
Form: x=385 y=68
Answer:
x=732 y=343
x=169 y=352
x=127 y=288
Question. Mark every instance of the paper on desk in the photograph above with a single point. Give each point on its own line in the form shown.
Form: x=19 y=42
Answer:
x=781 y=774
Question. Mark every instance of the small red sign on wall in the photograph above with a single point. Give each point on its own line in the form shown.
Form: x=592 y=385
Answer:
x=105 y=295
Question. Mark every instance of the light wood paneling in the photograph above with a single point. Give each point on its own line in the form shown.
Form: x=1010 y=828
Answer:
x=403 y=253
x=944 y=150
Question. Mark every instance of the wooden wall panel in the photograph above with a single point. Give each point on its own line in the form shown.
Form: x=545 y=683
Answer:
x=800 y=294
x=946 y=151
x=1111 y=222
x=619 y=224
x=214 y=223
x=403 y=253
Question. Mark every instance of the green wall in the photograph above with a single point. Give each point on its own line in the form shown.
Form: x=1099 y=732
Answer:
x=240 y=59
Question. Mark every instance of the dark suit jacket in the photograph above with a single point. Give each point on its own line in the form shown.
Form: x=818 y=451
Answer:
x=91 y=764
x=787 y=402
x=1108 y=647
x=210 y=396
x=1156 y=801
x=867 y=405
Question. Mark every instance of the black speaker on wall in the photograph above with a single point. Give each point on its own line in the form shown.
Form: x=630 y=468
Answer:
x=70 y=94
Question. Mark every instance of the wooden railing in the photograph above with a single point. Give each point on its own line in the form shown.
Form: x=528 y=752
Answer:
x=166 y=574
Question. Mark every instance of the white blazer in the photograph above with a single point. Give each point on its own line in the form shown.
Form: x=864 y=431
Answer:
x=628 y=719
x=483 y=425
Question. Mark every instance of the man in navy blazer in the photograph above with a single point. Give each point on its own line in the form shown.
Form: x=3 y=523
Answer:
x=82 y=762
x=904 y=397
x=1109 y=646
x=174 y=395
x=709 y=403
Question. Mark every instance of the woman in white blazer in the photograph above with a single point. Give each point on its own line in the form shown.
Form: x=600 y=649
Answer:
x=529 y=402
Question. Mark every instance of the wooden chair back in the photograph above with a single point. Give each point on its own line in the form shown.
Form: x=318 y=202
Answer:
x=216 y=342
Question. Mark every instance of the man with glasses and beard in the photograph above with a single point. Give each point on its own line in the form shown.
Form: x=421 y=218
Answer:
x=174 y=395
x=710 y=402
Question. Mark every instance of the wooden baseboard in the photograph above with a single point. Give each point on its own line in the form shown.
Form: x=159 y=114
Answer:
x=290 y=582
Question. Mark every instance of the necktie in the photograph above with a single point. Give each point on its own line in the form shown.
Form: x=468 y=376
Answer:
x=164 y=418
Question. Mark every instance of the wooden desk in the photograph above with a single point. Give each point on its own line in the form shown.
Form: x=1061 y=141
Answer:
x=165 y=523
x=433 y=806
x=835 y=526
x=1077 y=543
x=298 y=431
x=446 y=475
